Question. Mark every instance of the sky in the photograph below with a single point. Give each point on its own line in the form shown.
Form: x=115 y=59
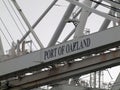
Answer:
x=33 y=9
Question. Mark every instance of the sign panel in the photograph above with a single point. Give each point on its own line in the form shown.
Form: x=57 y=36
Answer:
x=81 y=44
x=64 y=49
x=76 y=46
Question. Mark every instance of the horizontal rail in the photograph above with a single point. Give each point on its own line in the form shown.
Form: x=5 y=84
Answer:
x=70 y=50
x=69 y=70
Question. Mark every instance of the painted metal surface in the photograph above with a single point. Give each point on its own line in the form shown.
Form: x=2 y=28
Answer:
x=94 y=11
x=70 y=87
x=87 y=44
x=82 y=20
x=67 y=71
x=25 y=61
x=61 y=25
x=81 y=44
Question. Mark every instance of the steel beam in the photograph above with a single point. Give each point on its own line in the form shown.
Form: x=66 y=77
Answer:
x=61 y=25
x=79 y=31
x=27 y=23
x=94 y=11
x=69 y=35
x=106 y=22
x=67 y=71
x=39 y=19
x=98 y=42
x=113 y=3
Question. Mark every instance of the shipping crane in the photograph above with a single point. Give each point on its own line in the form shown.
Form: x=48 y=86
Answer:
x=60 y=65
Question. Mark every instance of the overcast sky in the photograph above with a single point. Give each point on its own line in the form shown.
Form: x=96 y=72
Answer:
x=33 y=9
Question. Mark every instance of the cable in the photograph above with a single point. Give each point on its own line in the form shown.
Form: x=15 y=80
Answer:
x=15 y=20
x=12 y=17
x=6 y=29
x=5 y=37
x=20 y=22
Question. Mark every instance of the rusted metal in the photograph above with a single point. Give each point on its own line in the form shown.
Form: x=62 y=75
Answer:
x=82 y=67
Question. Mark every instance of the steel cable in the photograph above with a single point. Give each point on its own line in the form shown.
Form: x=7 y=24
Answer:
x=6 y=29
x=5 y=37
x=20 y=22
x=12 y=17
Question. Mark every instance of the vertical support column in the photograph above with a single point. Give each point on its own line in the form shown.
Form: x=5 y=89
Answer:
x=99 y=72
x=83 y=19
x=1 y=48
x=94 y=80
x=90 y=79
x=118 y=14
x=61 y=25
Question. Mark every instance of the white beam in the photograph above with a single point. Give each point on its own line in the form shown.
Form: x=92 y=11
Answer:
x=112 y=3
x=94 y=11
x=106 y=22
x=27 y=23
x=69 y=50
x=38 y=20
x=82 y=20
x=61 y=25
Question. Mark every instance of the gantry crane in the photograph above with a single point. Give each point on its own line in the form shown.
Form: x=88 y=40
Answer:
x=84 y=54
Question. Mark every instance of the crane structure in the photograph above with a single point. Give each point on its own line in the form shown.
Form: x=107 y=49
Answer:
x=60 y=65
